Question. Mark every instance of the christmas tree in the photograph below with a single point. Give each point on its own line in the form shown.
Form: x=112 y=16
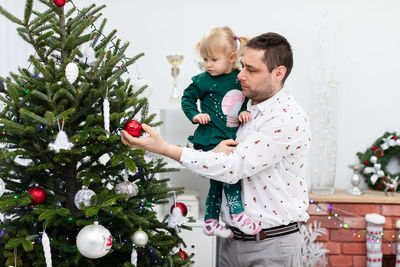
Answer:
x=73 y=87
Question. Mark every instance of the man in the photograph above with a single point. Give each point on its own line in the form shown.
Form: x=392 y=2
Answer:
x=270 y=157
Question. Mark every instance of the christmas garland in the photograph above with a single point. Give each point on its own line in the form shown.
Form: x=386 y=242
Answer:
x=376 y=158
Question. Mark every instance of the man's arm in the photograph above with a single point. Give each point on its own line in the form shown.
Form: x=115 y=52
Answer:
x=154 y=143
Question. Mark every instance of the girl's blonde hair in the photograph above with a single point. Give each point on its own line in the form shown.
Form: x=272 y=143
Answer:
x=222 y=41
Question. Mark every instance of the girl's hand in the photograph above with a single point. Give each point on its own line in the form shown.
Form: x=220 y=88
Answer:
x=244 y=116
x=202 y=118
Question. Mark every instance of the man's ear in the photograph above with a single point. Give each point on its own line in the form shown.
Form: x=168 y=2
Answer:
x=279 y=73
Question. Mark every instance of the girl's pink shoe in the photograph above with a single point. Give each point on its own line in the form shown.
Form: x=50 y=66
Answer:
x=212 y=227
x=245 y=224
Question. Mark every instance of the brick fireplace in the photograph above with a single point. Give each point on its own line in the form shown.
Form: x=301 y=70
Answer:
x=343 y=217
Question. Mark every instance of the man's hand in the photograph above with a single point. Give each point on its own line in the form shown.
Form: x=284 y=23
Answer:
x=226 y=146
x=154 y=143
x=244 y=116
x=202 y=118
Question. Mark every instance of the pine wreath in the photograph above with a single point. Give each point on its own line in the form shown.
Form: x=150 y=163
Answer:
x=376 y=158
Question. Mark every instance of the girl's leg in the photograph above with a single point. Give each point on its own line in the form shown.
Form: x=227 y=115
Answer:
x=239 y=218
x=213 y=208
x=213 y=201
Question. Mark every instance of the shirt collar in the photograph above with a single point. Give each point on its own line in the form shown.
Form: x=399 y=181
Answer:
x=262 y=106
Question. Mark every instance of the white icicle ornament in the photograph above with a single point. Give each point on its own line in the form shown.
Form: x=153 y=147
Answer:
x=106 y=111
x=61 y=142
x=46 y=249
x=71 y=72
x=2 y=187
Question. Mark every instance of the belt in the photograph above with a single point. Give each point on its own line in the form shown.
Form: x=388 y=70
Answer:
x=266 y=233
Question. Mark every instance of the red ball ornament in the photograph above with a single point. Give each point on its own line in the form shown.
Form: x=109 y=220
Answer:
x=373 y=147
x=182 y=254
x=59 y=3
x=180 y=206
x=38 y=193
x=133 y=128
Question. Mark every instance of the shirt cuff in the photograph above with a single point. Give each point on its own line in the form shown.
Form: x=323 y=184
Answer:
x=188 y=156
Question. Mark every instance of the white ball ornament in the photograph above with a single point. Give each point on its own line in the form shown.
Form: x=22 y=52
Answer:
x=2 y=187
x=94 y=241
x=139 y=83
x=127 y=187
x=83 y=197
x=89 y=55
x=140 y=238
x=71 y=72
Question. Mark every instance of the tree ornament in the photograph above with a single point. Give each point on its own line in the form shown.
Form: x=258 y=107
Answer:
x=134 y=257
x=178 y=213
x=375 y=161
x=46 y=249
x=71 y=72
x=133 y=127
x=127 y=187
x=83 y=197
x=139 y=83
x=38 y=193
x=61 y=141
x=59 y=3
x=182 y=254
x=2 y=187
x=140 y=238
x=106 y=114
x=181 y=206
x=94 y=241
x=89 y=55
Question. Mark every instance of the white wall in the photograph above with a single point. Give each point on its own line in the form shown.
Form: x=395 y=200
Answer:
x=357 y=40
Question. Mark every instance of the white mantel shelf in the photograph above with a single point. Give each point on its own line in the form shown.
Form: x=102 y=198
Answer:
x=369 y=196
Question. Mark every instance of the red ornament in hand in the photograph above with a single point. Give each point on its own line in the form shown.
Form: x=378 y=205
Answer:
x=59 y=3
x=182 y=254
x=180 y=206
x=133 y=128
x=38 y=193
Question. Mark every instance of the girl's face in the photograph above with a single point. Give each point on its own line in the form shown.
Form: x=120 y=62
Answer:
x=219 y=64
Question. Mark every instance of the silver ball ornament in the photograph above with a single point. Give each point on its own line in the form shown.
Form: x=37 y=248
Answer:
x=83 y=197
x=2 y=187
x=127 y=187
x=140 y=238
x=94 y=241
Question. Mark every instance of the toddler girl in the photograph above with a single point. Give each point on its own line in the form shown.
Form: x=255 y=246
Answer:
x=221 y=100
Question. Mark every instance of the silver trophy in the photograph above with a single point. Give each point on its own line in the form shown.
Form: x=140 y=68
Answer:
x=355 y=180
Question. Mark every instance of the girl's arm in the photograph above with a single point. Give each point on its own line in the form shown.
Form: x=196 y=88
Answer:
x=189 y=101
